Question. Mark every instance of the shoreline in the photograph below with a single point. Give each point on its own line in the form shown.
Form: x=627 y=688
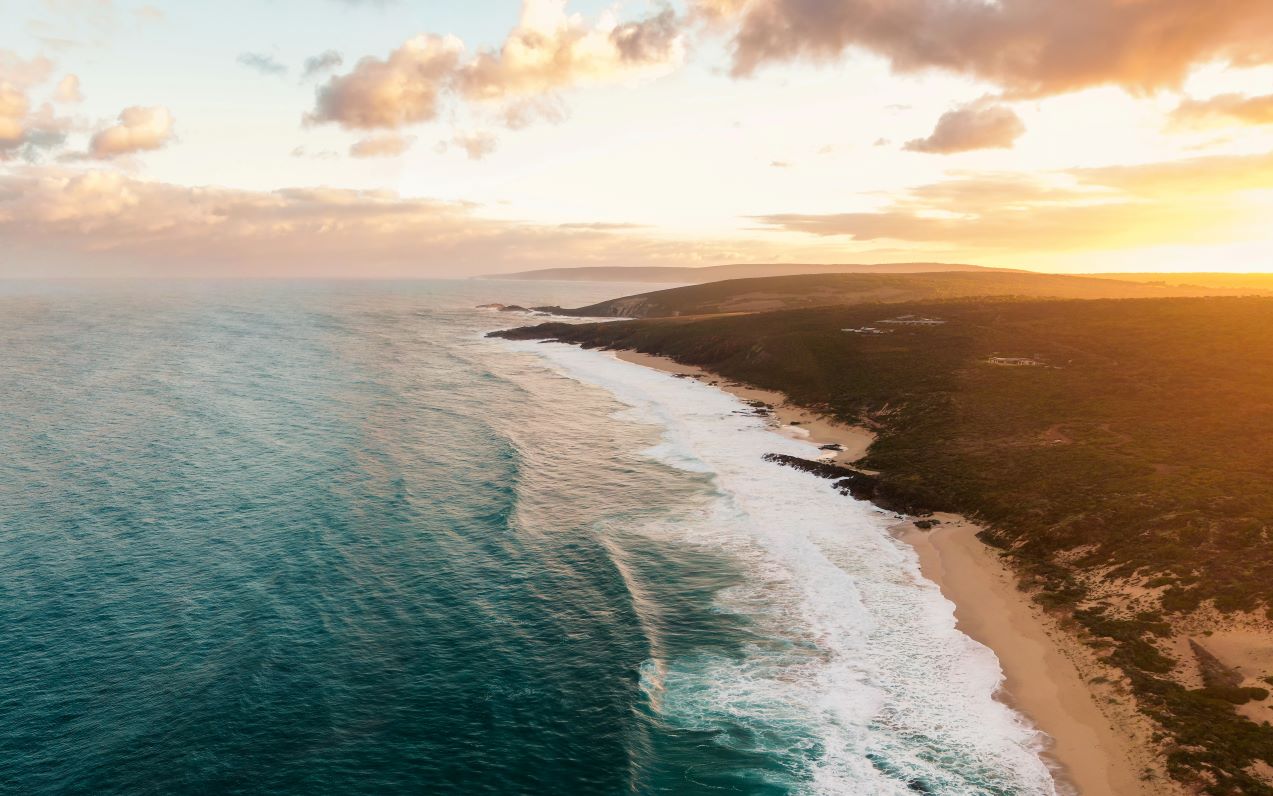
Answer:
x=1041 y=663
x=792 y=421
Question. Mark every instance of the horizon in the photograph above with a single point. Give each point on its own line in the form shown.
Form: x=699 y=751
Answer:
x=391 y=140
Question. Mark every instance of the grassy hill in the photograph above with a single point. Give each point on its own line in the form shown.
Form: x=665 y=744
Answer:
x=791 y=292
x=715 y=273
x=1119 y=451
x=1248 y=282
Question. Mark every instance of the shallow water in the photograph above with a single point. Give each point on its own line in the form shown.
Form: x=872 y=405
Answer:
x=326 y=538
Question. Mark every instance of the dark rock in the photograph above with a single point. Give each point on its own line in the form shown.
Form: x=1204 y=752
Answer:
x=854 y=483
x=503 y=307
x=544 y=331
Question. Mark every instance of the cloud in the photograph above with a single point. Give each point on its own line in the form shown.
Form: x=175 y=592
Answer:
x=22 y=72
x=56 y=221
x=25 y=132
x=13 y=111
x=68 y=90
x=476 y=145
x=149 y=14
x=652 y=40
x=139 y=130
x=383 y=146
x=44 y=131
x=324 y=154
x=979 y=125
x=260 y=62
x=1027 y=47
x=99 y=14
x=1222 y=110
x=600 y=226
x=1199 y=200
x=549 y=50
x=401 y=90
x=323 y=62
x=522 y=113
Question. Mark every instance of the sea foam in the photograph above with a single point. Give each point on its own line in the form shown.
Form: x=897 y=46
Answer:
x=857 y=676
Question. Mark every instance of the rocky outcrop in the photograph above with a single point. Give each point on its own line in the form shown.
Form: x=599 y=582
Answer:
x=855 y=483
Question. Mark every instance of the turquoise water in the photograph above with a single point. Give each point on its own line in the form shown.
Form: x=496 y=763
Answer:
x=325 y=538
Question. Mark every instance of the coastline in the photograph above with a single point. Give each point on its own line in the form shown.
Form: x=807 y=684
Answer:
x=792 y=421
x=1049 y=676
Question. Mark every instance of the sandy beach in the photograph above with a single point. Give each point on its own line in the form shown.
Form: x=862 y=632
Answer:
x=1098 y=744
x=1043 y=666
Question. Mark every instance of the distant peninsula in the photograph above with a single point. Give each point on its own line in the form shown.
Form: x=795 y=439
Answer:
x=688 y=275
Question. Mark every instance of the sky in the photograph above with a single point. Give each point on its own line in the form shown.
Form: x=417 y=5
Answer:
x=423 y=138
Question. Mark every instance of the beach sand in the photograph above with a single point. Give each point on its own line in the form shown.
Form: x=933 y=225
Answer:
x=1099 y=744
x=1046 y=670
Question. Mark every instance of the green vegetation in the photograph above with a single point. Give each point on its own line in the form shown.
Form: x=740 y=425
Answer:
x=1099 y=441
x=821 y=290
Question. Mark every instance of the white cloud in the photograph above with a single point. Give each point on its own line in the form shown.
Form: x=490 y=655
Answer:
x=400 y=90
x=68 y=90
x=263 y=63
x=549 y=50
x=476 y=145
x=139 y=129
x=382 y=146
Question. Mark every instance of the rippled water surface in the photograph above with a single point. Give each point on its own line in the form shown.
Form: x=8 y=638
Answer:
x=325 y=538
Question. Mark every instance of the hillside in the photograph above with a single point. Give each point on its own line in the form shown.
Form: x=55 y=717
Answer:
x=1117 y=451
x=1248 y=282
x=792 y=292
x=715 y=273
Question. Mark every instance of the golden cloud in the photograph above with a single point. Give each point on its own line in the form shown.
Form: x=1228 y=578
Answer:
x=23 y=72
x=139 y=130
x=13 y=112
x=57 y=221
x=979 y=125
x=547 y=51
x=68 y=90
x=1202 y=200
x=20 y=129
x=383 y=146
x=398 y=91
x=1027 y=47
x=1225 y=109
x=475 y=145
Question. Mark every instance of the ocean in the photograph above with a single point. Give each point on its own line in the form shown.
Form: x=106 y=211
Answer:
x=327 y=538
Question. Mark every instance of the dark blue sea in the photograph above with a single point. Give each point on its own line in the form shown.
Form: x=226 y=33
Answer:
x=326 y=538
